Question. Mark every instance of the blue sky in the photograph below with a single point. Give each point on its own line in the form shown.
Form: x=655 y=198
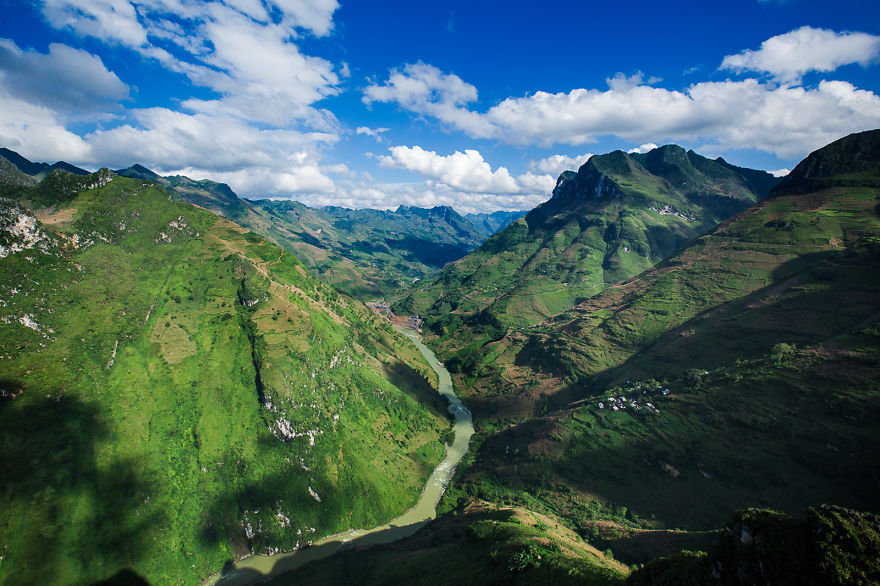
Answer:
x=478 y=105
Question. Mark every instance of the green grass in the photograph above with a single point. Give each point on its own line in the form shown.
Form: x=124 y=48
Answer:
x=158 y=458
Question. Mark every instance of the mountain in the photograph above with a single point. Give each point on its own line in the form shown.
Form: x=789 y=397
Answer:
x=365 y=253
x=38 y=170
x=177 y=392
x=852 y=162
x=489 y=224
x=617 y=216
x=740 y=372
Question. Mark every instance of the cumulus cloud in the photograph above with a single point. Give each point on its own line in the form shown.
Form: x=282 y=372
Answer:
x=244 y=50
x=787 y=121
x=252 y=160
x=555 y=164
x=780 y=172
x=466 y=171
x=261 y=131
x=621 y=81
x=789 y=56
x=112 y=21
x=424 y=89
x=643 y=148
x=64 y=79
x=37 y=132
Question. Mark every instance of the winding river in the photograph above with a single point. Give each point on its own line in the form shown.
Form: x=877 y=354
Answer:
x=257 y=567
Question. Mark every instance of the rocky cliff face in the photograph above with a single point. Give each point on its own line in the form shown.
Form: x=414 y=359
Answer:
x=591 y=181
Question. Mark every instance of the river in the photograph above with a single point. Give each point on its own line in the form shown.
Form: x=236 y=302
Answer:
x=257 y=567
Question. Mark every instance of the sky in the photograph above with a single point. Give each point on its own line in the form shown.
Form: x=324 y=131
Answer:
x=478 y=105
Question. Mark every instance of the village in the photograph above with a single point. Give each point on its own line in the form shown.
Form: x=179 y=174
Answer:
x=638 y=393
x=383 y=309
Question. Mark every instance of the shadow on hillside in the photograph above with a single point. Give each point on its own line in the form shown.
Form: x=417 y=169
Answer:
x=782 y=437
x=809 y=300
x=411 y=382
x=60 y=494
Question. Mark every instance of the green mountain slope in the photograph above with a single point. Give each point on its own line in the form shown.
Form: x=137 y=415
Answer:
x=176 y=392
x=617 y=216
x=741 y=372
x=365 y=253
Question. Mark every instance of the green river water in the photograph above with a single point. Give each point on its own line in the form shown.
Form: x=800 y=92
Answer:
x=257 y=567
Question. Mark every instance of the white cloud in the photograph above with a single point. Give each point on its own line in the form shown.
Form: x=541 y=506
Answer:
x=37 y=133
x=424 y=89
x=245 y=50
x=643 y=148
x=556 y=164
x=111 y=21
x=789 y=56
x=787 y=121
x=466 y=171
x=262 y=133
x=64 y=79
x=266 y=182
x=780 y=172
x=255 y=162
x=374 y=132
x=621 y=81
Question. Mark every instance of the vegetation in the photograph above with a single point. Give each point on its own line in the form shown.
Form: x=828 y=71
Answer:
x=177 y=392
x=365 y=253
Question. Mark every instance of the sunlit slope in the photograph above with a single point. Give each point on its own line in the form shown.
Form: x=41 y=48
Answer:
x=177 y=392
x=757 y=347
x=617 y=216
x=480 y=544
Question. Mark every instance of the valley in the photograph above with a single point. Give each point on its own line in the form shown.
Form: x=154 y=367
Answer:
x=319 y=292
x=206 y=404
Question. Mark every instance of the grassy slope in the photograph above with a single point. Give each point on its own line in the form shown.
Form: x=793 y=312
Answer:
x=160 y=457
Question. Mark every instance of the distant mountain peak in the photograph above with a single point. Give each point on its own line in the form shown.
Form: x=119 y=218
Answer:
x=39 y=170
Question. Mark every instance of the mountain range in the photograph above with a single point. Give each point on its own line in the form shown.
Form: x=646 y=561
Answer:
x=365 y=253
